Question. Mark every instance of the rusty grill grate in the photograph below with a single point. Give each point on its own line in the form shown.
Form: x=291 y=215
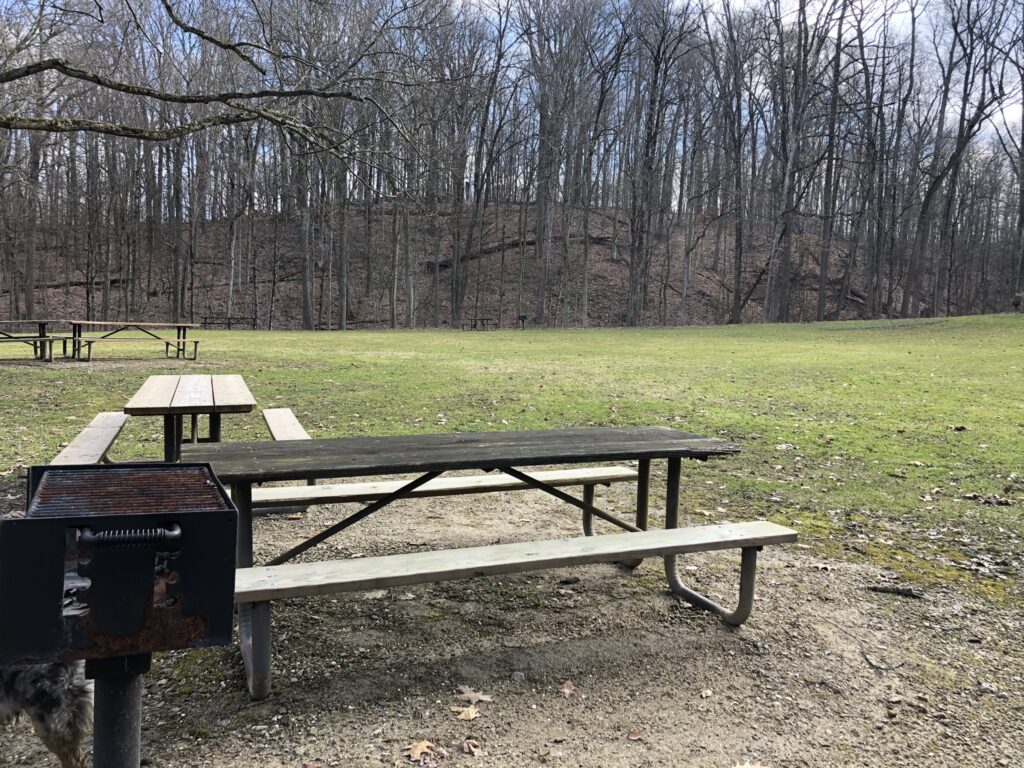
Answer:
x=89 y=491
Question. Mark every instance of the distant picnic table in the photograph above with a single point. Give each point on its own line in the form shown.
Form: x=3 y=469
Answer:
x=40 y=341
x=81 y=344
x=175 y=397
x=481 y=324
x=228 y=323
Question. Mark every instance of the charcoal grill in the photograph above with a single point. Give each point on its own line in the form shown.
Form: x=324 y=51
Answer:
x=112 y=563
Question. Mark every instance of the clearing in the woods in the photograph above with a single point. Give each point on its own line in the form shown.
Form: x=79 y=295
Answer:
x=888 y=636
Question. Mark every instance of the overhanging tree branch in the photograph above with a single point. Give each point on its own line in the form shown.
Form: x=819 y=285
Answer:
x=235 y=48
x=69 y=70
x=73 y=125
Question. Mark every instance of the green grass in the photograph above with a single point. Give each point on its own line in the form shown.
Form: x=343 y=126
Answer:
x=891 y=424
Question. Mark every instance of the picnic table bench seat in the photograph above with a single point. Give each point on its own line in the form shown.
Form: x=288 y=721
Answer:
x=284 y=425
x=339 y=493
x=180 y=346
x=91 y=445
x=35 y=341
x=256 y=587
x=325 y=577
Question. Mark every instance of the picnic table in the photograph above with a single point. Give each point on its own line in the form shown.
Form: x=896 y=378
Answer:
x=224 y=321
x=115 y=327
x=39 y=339
x=240 y=465
x=175 y=397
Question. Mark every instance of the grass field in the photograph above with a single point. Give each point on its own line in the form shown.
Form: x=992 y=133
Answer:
x=896 y=442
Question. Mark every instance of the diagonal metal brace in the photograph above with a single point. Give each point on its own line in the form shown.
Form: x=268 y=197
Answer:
x=748 y=569
x=568 y=498
x=352 y=519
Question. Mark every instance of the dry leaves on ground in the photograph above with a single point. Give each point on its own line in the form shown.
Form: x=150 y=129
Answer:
x=567 y=689
x=466 y=713
x=424 y=753
x=472 y=747
x=471 y=696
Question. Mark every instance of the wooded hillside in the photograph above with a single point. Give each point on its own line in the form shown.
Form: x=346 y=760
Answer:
x=330 y=163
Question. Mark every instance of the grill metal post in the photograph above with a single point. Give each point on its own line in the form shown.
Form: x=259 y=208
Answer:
x=117 y=733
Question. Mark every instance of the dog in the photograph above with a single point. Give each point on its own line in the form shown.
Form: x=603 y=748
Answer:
x=57 y=699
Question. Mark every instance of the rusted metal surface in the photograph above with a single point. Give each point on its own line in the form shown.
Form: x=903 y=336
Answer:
x=117 y=561
x=71 y=491
x=165 y=627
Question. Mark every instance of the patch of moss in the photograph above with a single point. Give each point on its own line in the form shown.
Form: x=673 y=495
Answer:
x=198 y=670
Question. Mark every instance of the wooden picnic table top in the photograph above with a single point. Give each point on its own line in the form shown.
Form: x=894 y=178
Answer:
x=131 y=324
x=197 y=393
x=44 y=321
x=357 y=456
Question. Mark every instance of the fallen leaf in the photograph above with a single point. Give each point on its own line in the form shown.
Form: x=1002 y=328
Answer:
x=472 y=747
x=375 y=594
x=706 y=693
x=466 y=713
x=567 y=689
x=424 y=753
x=471 y=696
x=634 y=736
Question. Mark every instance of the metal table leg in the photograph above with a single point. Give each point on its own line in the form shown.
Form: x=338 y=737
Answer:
x=179 y=435
x=170 y=438
x=748 y=562
x=253 y=618
x=643 y=492
x=643 y=496
x=214 y=427
x=588 y=517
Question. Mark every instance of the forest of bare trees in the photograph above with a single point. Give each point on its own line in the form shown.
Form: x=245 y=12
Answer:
x=421 y=163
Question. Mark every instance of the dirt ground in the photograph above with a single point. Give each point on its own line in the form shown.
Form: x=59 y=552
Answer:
x=593 y=666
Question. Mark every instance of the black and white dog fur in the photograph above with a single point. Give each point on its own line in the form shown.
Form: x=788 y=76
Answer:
x=57 y=699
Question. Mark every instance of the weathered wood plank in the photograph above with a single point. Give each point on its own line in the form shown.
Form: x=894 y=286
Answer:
x=109 y=420
x=283 y=424
x=440 y=486
x=153 y=397
x=230 y=394
x=93 y=442
x=194 y=395
x=354 y=456
x=327 y=577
